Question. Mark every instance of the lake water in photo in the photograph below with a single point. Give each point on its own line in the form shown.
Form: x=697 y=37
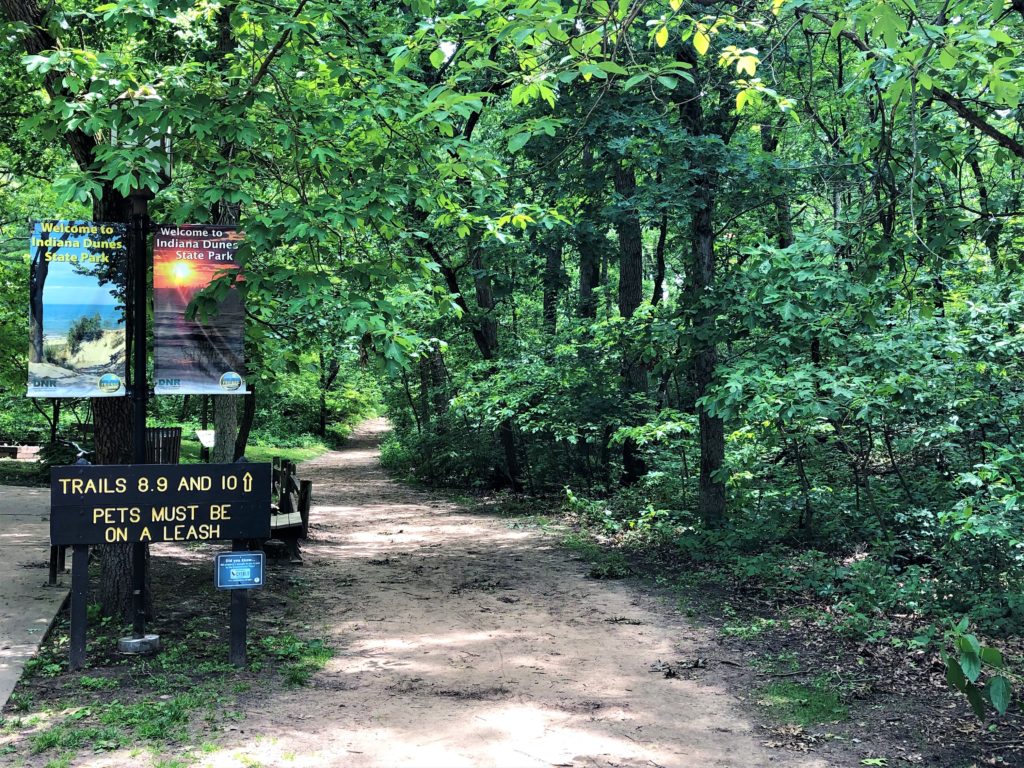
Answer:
x=58 y=318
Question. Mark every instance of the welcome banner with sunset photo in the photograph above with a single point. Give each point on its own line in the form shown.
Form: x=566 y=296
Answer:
x=205 y=355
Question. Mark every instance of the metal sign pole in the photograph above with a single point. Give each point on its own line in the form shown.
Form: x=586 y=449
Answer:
x=79 y=604
x=139 y=642
x=239 y=617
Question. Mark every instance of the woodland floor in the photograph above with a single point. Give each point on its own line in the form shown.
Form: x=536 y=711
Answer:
x=459 y=638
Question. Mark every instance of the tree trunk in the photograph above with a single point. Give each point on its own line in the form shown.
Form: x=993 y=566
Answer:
x=991 y=226
x=225 y=428
x=552 y=285
x=659 y=262
x=248 y=415
x=631 y=275
x=711 y=498
x=711 y=502
x=588 y=242
x=487 y=340
x=113 y=418
x=113 y=445
x=329 y=370
x=783 y=215
x=322 y=405
x=424 y=411
x=54 y=420
x=488 y=323
x=438 y=382
x=37 y=280
x=204 y=452
x=225 y=407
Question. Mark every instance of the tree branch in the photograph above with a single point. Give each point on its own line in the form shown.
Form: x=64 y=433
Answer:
x=278 y=46
x=972 y=118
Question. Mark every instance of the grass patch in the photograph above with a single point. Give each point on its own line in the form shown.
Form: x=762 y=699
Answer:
x=604 y=564
x=29 y=473
x=755 y=628
x=98 y=683
x=114 y=724
x=73 y=736
x=301 y=658
x=780 y=663
x=257 y=453
x=802 y=704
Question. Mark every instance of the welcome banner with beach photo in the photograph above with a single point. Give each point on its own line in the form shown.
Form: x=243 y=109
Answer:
x=76 y=309
x=205 y=355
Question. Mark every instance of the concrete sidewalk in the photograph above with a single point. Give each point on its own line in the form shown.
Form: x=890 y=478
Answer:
x=27 y=605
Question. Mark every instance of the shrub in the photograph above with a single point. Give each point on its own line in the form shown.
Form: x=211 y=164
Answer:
x=82 y=330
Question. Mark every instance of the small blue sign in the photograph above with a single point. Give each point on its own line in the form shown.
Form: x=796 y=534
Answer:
x=239 y=570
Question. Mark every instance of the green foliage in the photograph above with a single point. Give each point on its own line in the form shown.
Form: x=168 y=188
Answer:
x=802 y=704
x=97 y=683
x=115 y=724
x=300 y=659
x=749 y=631
x=84 y=329
x=966 y=665
x=604 y=564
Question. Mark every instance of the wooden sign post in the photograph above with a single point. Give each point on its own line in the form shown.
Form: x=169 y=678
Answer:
x=138 y=503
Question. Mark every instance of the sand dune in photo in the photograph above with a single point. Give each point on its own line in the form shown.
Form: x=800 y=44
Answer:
x=95 y=356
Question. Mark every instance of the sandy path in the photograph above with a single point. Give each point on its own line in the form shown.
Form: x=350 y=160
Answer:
x=464 y=642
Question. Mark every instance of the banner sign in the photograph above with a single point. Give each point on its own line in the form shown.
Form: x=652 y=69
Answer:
x=159 y=502
x=76 y=309
x=205 y=355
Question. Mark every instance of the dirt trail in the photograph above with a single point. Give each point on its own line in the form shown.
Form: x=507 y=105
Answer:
x=464 y=642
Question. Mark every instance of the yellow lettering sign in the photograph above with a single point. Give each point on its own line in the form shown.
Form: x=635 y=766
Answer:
x=220 y=511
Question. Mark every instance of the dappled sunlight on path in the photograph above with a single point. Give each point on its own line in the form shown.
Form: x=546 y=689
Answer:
x=461 y=641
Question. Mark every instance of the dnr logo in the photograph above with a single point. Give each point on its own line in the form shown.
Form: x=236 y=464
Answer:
x=168 y=382
x=109 y=382
x=230 y=381
x=45 y=383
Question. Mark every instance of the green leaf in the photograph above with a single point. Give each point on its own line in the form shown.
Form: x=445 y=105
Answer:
x=992 y=657
x=612 y=68
x=954 y=675
x=969 y=644
x=668 y=82
x=633 y=81
x=437 y=58
x=970 y=663
x=977 y=701
x=518 y=141
x=999 y=693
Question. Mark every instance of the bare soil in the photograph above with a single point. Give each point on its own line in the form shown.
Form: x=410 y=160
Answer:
x=462 y=641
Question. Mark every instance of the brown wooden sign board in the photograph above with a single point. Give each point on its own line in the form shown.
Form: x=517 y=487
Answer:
x=107 y=504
